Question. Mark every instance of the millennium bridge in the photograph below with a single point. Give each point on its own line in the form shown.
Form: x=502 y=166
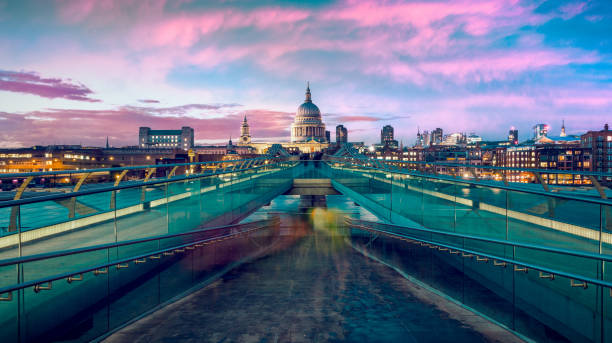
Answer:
x=278 y=249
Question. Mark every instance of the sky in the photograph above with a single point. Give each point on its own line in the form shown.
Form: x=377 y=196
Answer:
x=77 y=71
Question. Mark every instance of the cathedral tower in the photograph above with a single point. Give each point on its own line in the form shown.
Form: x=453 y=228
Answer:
x=245 y=133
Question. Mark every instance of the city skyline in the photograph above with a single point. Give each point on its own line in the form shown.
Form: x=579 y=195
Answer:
x=473 y=66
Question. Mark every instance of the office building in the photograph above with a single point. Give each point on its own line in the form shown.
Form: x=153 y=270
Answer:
x=437 y=136
x=341 y=134
x=178 y=139
x=539 y=131
x=600 y=145
x=513 y=136
x=386 y=135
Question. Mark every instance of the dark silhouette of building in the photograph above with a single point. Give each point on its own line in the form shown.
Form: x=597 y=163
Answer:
x=341 y=134
x=386 y=135
x=437 y=136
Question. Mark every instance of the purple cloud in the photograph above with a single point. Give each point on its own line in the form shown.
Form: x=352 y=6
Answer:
x=149 y=101
x=65 y=126
x=340 y=118
x=179 y=110
x=32 y=83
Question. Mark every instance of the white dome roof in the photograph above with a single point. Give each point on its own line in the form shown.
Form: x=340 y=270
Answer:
x=308 y=109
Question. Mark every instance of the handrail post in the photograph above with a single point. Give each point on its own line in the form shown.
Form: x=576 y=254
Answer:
x=541 y=181
x=150 y=172
x=16 y=209
x=113 y=201
x=473 y=172
x=171 y=174
x=73 y=201
x=598 y=187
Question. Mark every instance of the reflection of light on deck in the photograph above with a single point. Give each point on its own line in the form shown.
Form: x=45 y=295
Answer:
x=323 y=219
x=325 y=222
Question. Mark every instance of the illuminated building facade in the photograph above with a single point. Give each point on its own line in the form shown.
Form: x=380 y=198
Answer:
x=553 y=157
x=437 y=136
x=308 y=126
x=49 y=158
x=308 y=134
x=513 y=136
x=386 y=135
x=179 y=139
x=245 y=133
x=539 y=131
x=600 y=145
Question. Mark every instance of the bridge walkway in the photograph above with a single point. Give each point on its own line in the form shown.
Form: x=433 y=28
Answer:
x=318 y=290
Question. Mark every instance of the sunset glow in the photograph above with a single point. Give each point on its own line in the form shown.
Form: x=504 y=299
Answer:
x=482 y=66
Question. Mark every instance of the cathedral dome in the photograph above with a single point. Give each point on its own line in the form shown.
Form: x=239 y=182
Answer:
x=308 y=125
x=308 y=109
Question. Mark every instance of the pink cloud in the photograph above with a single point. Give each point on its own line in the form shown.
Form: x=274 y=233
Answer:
x=483 y=67
x=571 y=10
x=32 y=83
x=382 y=34
x=480 y=17
x=354 y=118
x=178 y=110
x=185 y=30
x=62 y=126
x=497 y=65
x=593 y=98
x=149 y=101
x=102 y=12
x=492 y=100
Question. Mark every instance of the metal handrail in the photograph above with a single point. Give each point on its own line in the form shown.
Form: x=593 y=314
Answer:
x=45 y=256
x=470 y=253
x=481 y=183
x=81 y=171
x=133 y=184
x=479 y=166
x=594 y=256
x=118 y=262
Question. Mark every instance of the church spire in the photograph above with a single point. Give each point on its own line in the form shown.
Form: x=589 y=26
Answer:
x=563 y=134
x=308 y=99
